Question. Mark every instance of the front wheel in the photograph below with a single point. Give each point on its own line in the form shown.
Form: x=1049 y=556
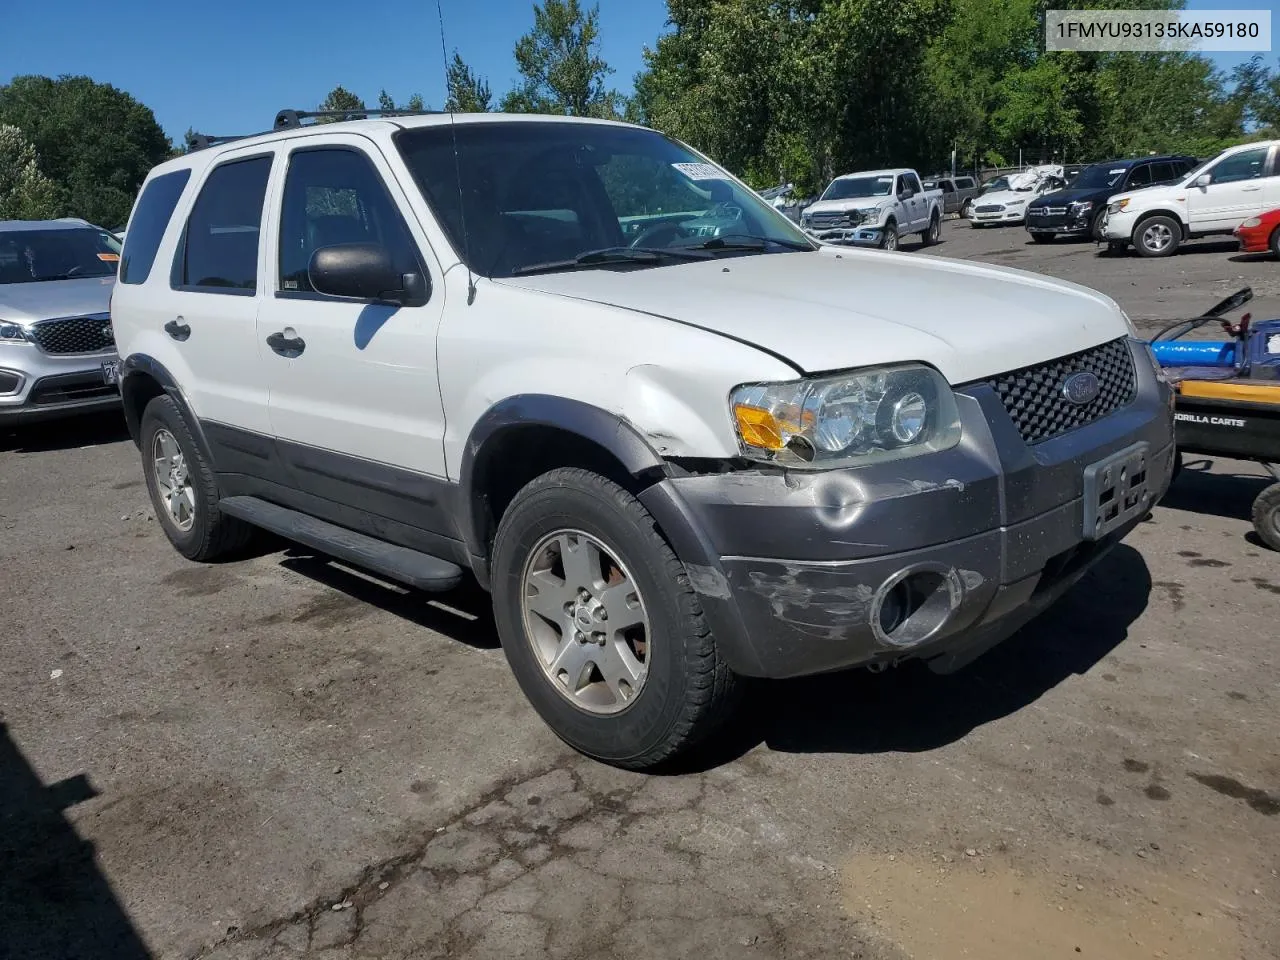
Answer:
x=1157 y=237
x=600 y=625
x=1266 y=516
x=933 y=232
x=1274 y=242
x=889 y=236
x=966 y=209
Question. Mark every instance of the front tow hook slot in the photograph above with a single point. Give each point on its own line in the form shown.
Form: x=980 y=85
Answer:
x=914 y=604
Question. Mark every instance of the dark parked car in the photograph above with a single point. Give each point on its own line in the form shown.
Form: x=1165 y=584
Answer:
x=1076 y=210
x=957 y=193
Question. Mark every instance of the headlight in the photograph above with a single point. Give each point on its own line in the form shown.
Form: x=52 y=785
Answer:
x=864 y=416
x=1016 y=203
x=12 y=332
x=1117 y=206
x=1081 y=206
x=1252 y=222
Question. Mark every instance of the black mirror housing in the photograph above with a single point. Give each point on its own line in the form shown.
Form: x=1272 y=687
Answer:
x=363 y=271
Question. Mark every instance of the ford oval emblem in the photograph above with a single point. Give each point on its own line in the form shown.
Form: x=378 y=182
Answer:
x=1081 y=388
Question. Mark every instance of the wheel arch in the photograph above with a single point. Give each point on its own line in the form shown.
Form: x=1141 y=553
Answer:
x=142 y=379
x=523 y=437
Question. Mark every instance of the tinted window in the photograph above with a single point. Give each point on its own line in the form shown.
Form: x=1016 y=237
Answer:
x=911 y=181
x=335 y=196
x=1141 y=176
x=220 y=248
x=1162 y=172
x=1246 y=165
x=29 y=256
x=965 y=183
x=147 y=226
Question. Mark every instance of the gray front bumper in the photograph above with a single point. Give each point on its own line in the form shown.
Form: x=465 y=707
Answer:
x=797 y=558
x=53 y=385
x=868 y=236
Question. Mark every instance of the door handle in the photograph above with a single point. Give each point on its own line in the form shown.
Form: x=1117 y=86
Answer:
x=1250 y=189
x=177 y=329
x=286 y=343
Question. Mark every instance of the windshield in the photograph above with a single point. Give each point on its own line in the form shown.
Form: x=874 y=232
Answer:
x=999 y=183
x=541 y=193
x=30 y=256
x=1099 y=175
x=848 y=188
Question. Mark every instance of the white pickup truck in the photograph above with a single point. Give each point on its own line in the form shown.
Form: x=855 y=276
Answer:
x=875 y=208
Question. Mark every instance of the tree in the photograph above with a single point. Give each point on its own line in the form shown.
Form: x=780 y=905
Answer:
x=467 y=92
x=25 y=192
x=95 y=142
x=560 y=65
x=387 y=102
x=343 y=101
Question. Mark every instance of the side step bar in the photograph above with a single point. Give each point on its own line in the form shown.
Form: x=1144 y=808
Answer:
x=396 y=563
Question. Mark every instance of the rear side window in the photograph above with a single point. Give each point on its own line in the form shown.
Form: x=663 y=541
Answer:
x=150 y=218
x=334 y=196
x=219 y=252
x=965 y=183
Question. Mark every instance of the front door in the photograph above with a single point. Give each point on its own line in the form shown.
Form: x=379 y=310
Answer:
x=1234 y=194
x=355 y=400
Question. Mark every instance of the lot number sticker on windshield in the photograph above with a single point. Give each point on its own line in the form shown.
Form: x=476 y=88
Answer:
x=699 y=171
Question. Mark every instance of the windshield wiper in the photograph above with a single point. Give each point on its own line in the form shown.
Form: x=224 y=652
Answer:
x=607 y=255
x=744 y=241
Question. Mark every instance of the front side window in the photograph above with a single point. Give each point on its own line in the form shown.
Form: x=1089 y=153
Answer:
x=333 y=195
x=546 y=194
x=911 y=182
x=219 y=251
x=1245 y=165
x=1142 y=176
x=53 y=253
x=148 y=224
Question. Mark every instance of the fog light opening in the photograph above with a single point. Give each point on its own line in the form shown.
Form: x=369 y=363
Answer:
x=914 y=604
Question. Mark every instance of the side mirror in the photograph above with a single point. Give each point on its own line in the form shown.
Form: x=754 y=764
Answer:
x=906 y=194
x=1204 y=180
x=363 y=271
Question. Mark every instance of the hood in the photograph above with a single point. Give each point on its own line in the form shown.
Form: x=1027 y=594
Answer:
x=1032 y=175
x=840 y=308
x=1060 y=197
x=1006 y=196
x=43 y=300
x=1158 y=192
x=847 y=203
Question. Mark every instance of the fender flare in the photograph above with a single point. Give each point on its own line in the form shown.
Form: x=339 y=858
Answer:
x=606 y=430
x=142 y=365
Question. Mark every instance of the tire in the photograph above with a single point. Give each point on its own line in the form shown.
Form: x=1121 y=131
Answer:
x=203 y=533
x=1157 y=236
x=1177 y=467
x=1266 y=516
x=687 y=690
x=1042 y=238
x=1274 y=242
x=966 y=209
x=889 y=236
x=1095 y=225
x=933 y=233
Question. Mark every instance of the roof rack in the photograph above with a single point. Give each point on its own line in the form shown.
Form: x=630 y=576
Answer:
x=294 y=120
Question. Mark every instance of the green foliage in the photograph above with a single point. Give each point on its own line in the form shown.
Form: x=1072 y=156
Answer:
x=343 y=101
x=25 y=192
x=467 y=92
x=560 y=65
x=94 y=142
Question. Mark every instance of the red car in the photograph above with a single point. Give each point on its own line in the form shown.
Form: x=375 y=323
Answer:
x=1260 y=234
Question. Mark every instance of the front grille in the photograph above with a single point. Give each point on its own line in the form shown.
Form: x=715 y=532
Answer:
x=825 y=221
x=989 y=208
x=74 y=335
x=66 y=387
x=1035 y=402
x=1053 y=211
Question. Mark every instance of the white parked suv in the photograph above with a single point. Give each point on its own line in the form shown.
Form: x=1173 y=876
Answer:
x=875 y=208
x=1214 y=198
x=715 y=450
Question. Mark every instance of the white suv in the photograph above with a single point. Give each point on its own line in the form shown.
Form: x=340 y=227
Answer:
x=678 y=441
x=1214 y=198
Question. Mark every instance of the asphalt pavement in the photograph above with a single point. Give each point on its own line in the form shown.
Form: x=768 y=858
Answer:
x=280 y=756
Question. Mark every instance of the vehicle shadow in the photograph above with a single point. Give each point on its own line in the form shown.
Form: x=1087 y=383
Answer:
x=909 y=709
x=86 y=430
x=1228 y=495
x=464 y=613
x=1252 y=257
x=54 y=901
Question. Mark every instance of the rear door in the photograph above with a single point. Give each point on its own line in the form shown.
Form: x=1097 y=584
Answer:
x=207 y=306
x=355 y=399
x=1237 y=190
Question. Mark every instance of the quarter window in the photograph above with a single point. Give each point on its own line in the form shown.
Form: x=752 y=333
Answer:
x=219 y=252
x=335 y=196
x=150 y=219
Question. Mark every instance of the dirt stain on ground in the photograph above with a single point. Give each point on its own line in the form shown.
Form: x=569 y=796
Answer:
x=200 y=581
x=1208 y=562
x=1257 y=799
x=1266 y=585
x=957 y=911
x=1175 y=590
x=1136 y=766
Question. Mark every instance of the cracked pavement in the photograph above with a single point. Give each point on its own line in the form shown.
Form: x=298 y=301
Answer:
x=203 y=761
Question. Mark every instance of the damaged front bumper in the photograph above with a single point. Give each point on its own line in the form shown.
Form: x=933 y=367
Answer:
x=868 y=236
x=937 y=557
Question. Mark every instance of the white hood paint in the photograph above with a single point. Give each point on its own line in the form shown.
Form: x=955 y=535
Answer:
x=1007 y=197
x=840 y=308
x=847 y=203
